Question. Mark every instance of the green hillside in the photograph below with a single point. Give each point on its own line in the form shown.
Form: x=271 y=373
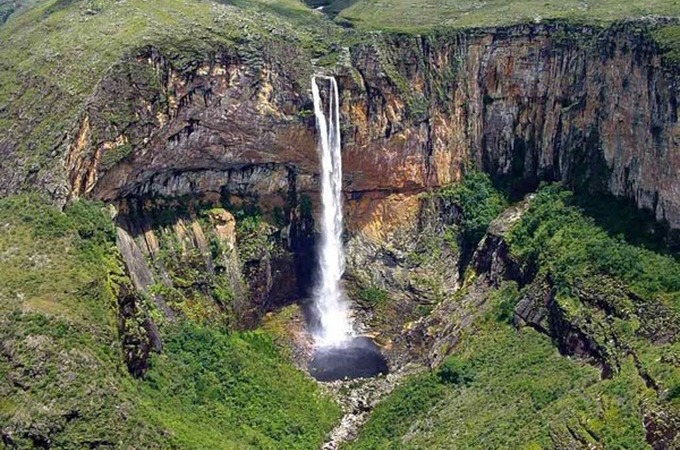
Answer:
x=67 y=386
x=423 y=14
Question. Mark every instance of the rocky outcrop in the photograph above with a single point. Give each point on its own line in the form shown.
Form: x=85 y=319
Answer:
x=595 y=108
x=200 y=261
x=399 y=271
x=153 y=130
x=539 y=309
x=139 y=335
x=432 y=338
x=9 y=7
x=139 y=272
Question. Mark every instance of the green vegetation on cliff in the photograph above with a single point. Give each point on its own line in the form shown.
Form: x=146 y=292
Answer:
x=62 y=358
x=517 y=392
x=613 y=291
x=479 y=204
x=555 y=235
x=509 y=387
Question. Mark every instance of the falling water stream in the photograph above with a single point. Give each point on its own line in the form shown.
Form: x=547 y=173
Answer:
x=333 y=312
x=339 y=352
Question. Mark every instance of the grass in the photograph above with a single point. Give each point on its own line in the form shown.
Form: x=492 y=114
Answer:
x=62 y=356
x=509 y=389
x=398 y=15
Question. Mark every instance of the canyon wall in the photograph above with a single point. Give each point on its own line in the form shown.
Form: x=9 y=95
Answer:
x=595 y=108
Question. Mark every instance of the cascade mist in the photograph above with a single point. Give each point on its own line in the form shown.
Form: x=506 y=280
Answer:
x=331 y=307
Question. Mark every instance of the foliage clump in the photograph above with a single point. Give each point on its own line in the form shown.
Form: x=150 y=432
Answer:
x=454 y=371
x=252 y=235
x=373 y=295
x=478 y=201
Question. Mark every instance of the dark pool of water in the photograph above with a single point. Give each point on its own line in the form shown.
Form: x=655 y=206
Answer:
x=357 y=358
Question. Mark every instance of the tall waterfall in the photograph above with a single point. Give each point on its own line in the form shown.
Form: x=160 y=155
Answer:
x=332 y=310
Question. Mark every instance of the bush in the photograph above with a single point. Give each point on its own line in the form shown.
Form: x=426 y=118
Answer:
x=504 y=302
x=479 y=202
x=454 y=371
x=252 y=235
x=373 y=295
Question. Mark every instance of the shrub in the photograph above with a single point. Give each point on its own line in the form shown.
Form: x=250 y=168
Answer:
x=479 y=201
x=373 y=295
x=454 y=371
x=252 y=235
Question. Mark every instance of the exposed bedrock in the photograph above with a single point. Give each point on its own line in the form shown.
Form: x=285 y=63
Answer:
x=596 y=108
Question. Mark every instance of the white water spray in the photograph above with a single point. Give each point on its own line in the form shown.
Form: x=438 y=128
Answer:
x=332 y=310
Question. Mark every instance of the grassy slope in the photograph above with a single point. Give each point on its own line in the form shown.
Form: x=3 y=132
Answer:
x=512 y=389
x=400 y=15
x=62 y=359
x=521 y=391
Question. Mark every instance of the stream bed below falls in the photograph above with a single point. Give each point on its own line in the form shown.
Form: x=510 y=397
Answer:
x=359 y=393
x=358 y=398
x=357 y=375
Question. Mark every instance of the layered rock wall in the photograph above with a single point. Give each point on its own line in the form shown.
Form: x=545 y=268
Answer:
x=595 y=108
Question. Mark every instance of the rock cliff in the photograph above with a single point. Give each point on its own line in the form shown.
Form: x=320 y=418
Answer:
x=594 y=108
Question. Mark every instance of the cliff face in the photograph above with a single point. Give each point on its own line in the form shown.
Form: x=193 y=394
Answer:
x=596 y=109
x=523 y=104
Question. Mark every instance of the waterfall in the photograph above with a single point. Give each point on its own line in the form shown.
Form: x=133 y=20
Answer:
x=333 y=312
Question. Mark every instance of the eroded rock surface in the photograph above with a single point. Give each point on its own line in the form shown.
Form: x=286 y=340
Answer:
x=596 y=108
